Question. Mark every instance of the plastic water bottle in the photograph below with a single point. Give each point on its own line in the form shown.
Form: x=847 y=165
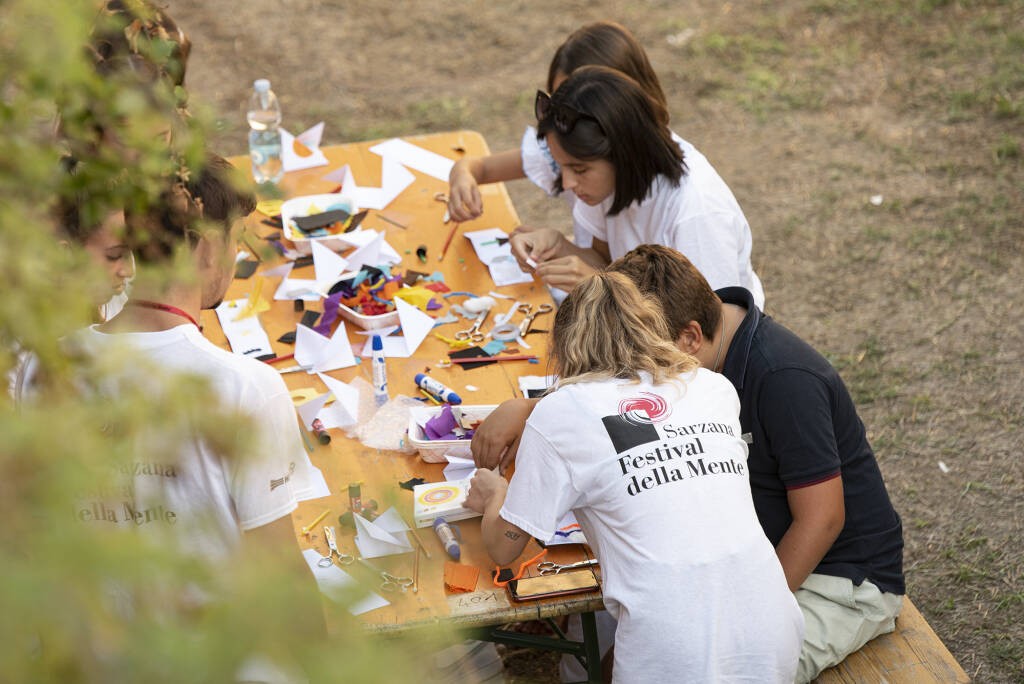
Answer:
x=264 y=115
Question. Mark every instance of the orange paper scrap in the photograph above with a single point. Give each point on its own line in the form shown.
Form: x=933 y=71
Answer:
x=460 y=578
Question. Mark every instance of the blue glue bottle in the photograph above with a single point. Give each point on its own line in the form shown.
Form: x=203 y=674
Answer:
x=380 y=374
x=443 y=392
x=448 y=539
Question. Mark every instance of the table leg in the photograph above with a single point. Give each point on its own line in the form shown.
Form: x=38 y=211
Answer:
x=591 y=649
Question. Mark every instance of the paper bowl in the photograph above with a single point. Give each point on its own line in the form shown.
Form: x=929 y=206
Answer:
x=299 y=206
x=433 y=451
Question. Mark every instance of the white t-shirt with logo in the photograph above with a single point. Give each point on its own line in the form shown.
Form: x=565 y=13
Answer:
x=657 y=477
x=189 y=492
x=699 y=217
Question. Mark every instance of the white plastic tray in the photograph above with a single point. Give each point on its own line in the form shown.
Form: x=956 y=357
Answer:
x=433 y=451
x=299 y=206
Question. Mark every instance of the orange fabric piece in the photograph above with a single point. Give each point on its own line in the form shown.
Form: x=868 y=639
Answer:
x=460 y=578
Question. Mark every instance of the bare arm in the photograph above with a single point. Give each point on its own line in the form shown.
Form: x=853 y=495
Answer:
x=503 y=540
x=496 y=440
x=464 y=200
x=818 y=517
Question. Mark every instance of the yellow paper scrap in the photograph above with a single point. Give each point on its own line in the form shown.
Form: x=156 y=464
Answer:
x=256 y=302
x=418 y=296
x=454 y=344
x=269 y=208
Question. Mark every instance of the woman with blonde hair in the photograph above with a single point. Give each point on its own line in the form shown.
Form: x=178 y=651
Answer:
x=645 y=448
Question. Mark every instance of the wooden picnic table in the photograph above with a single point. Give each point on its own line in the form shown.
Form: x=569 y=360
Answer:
x=346 y=461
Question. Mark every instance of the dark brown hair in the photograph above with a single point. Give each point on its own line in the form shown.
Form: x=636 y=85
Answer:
x=622 y=124
x=668 y=276
x=218 y=193
x=604 y=43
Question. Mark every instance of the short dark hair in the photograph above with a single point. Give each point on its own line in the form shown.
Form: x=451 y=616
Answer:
x=622 y=124
x=671 y=279
x=217 y=193
x=138 y=36
x=608 y=44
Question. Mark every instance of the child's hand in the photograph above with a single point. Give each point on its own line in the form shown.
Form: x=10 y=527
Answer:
x=464 y=200
x=565 y=273
x=537 y=245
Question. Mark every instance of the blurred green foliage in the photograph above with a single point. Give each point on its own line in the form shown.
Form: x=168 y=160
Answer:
x=78 y=602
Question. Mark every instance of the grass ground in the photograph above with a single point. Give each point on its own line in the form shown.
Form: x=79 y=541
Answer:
x=808 y=110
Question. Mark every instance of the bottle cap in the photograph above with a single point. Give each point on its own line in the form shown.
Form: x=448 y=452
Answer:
x=378 y=344
x=261 y=85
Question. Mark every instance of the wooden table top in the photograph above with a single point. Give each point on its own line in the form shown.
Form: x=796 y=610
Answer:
x=345 y=460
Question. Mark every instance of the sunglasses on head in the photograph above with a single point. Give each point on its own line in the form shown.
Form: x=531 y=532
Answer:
x=563 y=116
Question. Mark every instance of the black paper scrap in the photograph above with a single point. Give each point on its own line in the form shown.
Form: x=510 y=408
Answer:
x=271 y=236
x=299 y=305
x=272 y=222
x=412 y=276
x=303 y=261
x=287 y=338
x=327 y=218
x=245 y=268
x=309 y=318
x=409 y=484
x=266 y=357
x=471 y=353
x=356 y=220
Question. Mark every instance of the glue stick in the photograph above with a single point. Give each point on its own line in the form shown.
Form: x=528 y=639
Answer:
x=436 y=388
x=380 y=373
x=447 y=537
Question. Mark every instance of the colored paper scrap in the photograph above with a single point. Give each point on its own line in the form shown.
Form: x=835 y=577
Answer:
x=460 y=578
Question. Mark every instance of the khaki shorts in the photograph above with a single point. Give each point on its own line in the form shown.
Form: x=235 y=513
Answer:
x=839 y=618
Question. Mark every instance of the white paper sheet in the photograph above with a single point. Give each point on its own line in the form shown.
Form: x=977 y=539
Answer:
x=339 y=586
x=384 y=536
x=535 y=382
x=247 y=336
x=319 y=487
x=328 y=266
x=415 y=157
x=320 y=353
x=416 y=325
x=311 y=139
x=570 y=531
x=395 y=178
x=361 y=238
x=459 y=468
x=345 y=409
x=293 y=288
x=502 y=265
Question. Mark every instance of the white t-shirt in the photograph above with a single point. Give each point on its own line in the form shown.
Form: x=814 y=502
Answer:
x=657 y=478
x=699 y=217
x=179 y=486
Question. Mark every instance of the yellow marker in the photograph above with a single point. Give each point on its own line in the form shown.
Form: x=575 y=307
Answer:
x=430 y=397
x=310 y=526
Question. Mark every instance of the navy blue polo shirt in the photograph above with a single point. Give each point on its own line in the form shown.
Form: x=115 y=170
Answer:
x=802 y=428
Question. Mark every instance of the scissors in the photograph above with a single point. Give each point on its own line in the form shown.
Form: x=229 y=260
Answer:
x=332 y=550
x=550 y=568
x=528 y=309
x=389 y=582
x=474 y=333
x=441 y=197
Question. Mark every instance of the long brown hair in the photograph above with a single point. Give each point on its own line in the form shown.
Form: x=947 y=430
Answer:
x=611 y=45
x=606 y=329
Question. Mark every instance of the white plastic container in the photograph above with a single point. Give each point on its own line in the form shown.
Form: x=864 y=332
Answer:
x=300 y=206
x=433 y=451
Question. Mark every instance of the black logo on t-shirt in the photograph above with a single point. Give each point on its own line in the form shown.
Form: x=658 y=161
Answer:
x=634 y=424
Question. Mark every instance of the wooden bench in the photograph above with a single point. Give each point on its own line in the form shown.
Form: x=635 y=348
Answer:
x=913 y=654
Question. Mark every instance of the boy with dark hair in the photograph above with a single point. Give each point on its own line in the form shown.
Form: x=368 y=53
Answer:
x=817 y=489
x=213 y=504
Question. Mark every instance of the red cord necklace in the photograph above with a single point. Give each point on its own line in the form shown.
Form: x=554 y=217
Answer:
x=164 y=307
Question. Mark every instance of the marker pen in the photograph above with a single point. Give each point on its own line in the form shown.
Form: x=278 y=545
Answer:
x=380 y=372
x=434 y=387
x=447 y=537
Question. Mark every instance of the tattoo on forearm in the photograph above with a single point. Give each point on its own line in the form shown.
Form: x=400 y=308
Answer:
x=512 y=535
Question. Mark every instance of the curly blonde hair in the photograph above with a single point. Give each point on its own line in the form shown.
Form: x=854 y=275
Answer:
x=607 y=329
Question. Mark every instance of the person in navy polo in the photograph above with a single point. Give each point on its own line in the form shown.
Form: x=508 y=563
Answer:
x=817 y=489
